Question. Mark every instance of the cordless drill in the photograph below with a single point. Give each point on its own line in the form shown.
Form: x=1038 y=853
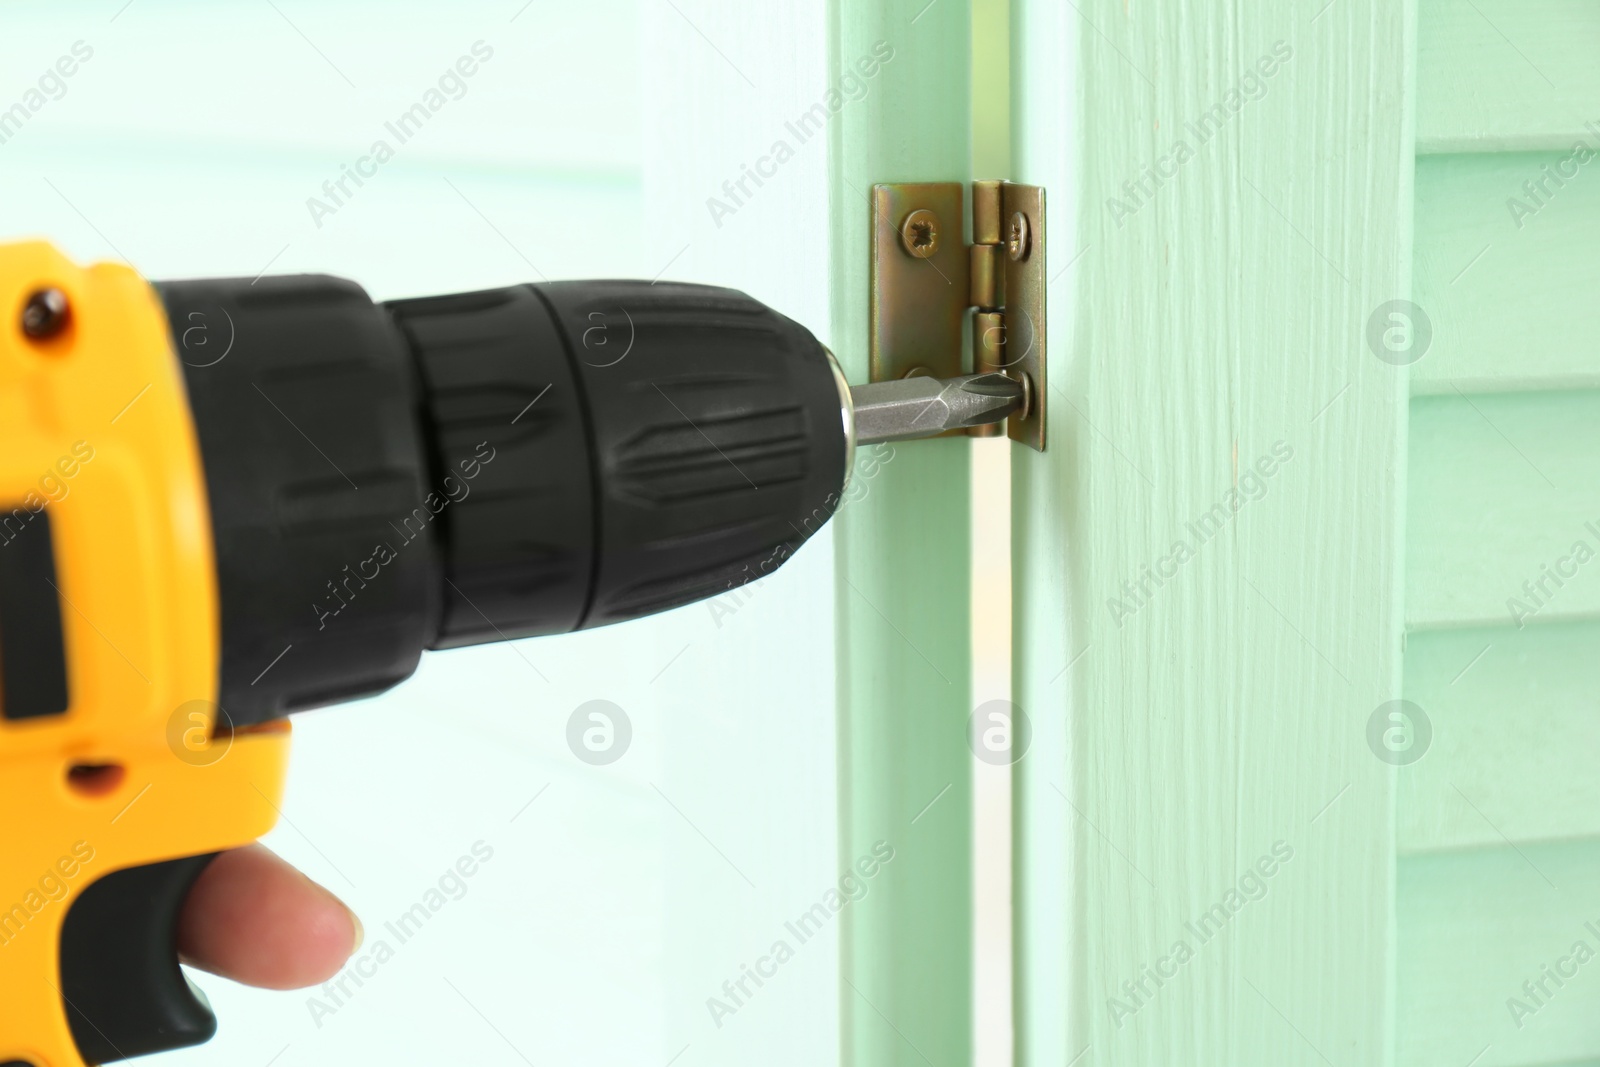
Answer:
x=225 y=501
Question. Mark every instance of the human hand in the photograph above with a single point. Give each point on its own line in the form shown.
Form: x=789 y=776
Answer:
x=255 y=919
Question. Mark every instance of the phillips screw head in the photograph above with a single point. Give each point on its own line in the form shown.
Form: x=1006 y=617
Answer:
x=919 y=233
x=1017 y=239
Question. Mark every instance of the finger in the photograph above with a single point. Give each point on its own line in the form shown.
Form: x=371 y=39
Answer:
x=253 y=918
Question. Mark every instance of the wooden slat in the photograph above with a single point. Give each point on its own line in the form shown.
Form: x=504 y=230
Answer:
x=1507 y=75
x=1516 y=725
x=1501 y=488
x=1507 y=275
x=1179 y=739
x=1473 y=927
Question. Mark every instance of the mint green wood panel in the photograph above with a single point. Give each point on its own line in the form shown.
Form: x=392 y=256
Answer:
x=1505 y=490
x=1473 y=927
x=1507 y=75
x=902 y=589
x=1507 y=273
x=1498 y=834
x=1182 y=735
x=1516 y=718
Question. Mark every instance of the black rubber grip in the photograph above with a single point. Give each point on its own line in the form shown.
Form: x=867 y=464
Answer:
x=33 y=652
x=509 y=442
x=304 y=398
x=122 y=988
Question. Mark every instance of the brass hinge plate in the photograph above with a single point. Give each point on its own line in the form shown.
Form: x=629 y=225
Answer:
x=926 y=278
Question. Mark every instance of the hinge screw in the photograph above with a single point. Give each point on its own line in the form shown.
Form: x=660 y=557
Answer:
x=919 y=234
x=1017 y=239
x=45 y=314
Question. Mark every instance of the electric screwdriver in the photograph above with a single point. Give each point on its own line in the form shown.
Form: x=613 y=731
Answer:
x=225 y=501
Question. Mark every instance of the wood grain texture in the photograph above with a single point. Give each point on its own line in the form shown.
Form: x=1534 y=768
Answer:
x=1186 y=729
x=1473 y=927
x=902 y=585
x=1507 y=75
x=1504 y=507
x=1505 y=253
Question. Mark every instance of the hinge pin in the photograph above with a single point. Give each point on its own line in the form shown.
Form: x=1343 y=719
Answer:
x=989 y=357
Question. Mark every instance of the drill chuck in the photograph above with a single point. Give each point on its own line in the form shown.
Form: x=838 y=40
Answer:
x=431 y=473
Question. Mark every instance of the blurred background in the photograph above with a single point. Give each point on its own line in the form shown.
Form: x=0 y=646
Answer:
x=191 y=143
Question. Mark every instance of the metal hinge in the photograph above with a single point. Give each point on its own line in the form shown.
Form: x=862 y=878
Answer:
x=925 y=278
